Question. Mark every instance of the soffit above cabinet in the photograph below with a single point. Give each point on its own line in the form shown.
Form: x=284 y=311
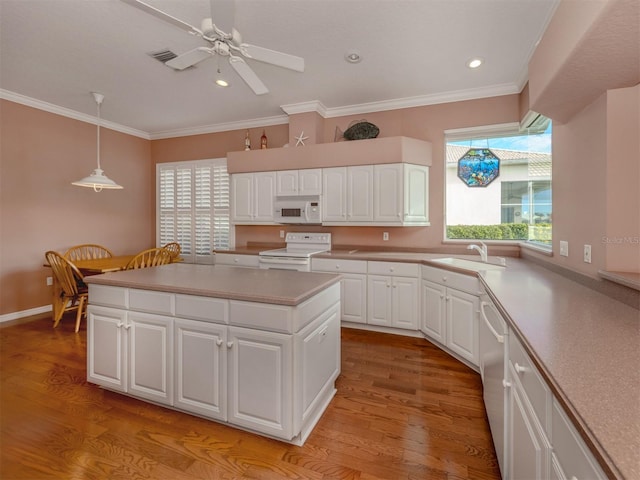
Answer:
x=356 y=152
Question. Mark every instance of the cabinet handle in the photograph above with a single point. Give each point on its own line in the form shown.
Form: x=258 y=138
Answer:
x=337 y=267
x=448 y=299
x=119 y=325
x=229 y=344
x=219 y=342
x=444 y=279
x=442 y=295
x=506 y=384
x=520 y=368
x=127 y=326
x=236 y=260
x=394 y=285
x=391 y=269
x=399 y=215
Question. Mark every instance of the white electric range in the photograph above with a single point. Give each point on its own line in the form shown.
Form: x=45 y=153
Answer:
x=297 y=254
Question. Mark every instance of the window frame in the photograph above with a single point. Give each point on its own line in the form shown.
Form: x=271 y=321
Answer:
x=216 y=215
x=511 y=129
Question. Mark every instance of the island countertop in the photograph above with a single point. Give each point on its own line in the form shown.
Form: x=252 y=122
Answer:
x=281 y=287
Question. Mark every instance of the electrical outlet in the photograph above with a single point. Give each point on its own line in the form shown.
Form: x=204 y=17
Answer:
x=385 y=236
x=564 y=248
x=587 y=254
x=49 y=281
x=281 y=233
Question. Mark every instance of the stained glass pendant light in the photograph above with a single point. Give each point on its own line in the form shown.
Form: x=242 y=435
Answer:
x=98 y=180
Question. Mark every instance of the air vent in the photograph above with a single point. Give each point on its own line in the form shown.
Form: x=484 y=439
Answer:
x=163 y=55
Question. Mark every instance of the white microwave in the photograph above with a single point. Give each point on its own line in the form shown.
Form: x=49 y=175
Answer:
x=298 y=210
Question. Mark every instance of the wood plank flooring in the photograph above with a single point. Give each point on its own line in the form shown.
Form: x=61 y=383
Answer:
x=404 y=410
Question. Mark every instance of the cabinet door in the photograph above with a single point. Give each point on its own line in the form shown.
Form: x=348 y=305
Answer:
x=310 y=181
x=404 y=313
x=379 y=300
x=242 y=197
x=462 y=324
x=334 y=198
x=287 y=182
x=388 y=193
x=433 y=311
x=526 y=455
x=265 y=191
x=260 y=377
x=353 y=298
x=360 y=194
x=150 y=357
x=201 y=368
x=107 y=347
x=416 y=194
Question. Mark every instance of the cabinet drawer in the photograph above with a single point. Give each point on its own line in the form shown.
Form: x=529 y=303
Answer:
x=396 y=269
x=152 y=302
x=202 y=308
x=108 y=296
x=532 y=383
x=261 y=316
x=238 y=260
x=339 y=266
x=570 y=451
x=459 y=281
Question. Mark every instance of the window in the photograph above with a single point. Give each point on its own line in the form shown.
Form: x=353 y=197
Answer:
x=193 y=207
x=498 y=184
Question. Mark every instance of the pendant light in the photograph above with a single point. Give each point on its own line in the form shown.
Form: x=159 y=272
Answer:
x=98 y=180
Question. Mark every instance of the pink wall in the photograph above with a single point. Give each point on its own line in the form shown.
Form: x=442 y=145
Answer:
x=41 y=154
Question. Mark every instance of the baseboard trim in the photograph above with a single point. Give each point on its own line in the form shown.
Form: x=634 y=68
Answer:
x=7 y=317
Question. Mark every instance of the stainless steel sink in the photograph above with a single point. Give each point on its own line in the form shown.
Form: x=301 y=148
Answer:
x=467 y=264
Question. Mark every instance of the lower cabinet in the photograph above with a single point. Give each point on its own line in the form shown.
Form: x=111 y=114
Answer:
x=449 y=316
x=392 y=291
x=277 y=383
x=131 y=352
x=353 y=286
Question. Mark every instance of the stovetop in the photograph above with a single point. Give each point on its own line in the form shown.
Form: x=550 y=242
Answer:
x=302 y=245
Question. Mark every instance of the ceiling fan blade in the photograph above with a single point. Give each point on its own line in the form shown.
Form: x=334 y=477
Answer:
x=190 y=58
x=223 y=14
x=248 y=75
x=163 y=16
x=273 y=57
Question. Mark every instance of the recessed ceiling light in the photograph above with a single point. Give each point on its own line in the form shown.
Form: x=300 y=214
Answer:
x=353 y=57
x=474 y=63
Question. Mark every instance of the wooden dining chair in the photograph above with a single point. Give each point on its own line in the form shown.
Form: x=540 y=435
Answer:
x=149 y=258
x=73 y=291
x=174 y=249
x=87 y=251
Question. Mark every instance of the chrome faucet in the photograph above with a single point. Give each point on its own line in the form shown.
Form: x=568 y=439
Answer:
x=483 y=251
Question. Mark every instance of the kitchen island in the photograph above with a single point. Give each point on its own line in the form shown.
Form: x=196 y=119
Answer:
x=255 y=349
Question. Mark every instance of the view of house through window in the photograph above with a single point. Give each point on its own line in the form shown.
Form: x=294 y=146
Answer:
x=498 y=184
x=193 y=207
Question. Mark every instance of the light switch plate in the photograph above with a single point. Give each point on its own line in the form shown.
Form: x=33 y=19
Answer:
x=587 y=254
x=385 y=236
x=564 y=248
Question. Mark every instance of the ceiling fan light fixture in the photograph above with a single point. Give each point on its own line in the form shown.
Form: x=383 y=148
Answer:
x=98 y=180
x=221 y=82
x=353 y=57
x=475 y=62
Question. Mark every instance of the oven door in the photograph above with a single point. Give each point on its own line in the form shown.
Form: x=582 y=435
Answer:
x=285 y=263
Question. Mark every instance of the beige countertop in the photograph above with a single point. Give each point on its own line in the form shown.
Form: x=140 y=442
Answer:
x=585 y=344
x=282 y=287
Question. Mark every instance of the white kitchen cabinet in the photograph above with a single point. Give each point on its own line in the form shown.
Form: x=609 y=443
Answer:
x=299 y=182
x=260 y=381
x=237 y=260
x=347 y=194
x=450 y=309
x=388 y=196
x=252 y=196
x=393 y=295
x=131 y=352
x=201 y=368
x=353 y=286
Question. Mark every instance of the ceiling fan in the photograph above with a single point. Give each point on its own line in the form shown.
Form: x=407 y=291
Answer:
x=224 y=44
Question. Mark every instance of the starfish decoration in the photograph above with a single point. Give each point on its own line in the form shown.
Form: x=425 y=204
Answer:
x=300 y=139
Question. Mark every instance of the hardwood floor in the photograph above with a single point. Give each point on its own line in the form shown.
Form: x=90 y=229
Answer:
x=404 y=410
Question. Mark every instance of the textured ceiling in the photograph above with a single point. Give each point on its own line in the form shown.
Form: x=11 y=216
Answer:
x=413 y=53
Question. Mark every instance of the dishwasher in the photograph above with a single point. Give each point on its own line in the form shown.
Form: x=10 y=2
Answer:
x=493 y=369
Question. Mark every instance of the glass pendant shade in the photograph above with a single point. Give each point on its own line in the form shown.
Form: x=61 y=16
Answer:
x=98 y=180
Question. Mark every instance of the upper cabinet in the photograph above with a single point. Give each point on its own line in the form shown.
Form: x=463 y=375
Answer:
x=252 y=197
x=299 y=182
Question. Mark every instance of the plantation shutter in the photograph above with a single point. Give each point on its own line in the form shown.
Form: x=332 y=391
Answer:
x=193 y=207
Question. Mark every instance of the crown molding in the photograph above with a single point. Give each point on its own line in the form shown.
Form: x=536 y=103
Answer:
x=67 y=112
x=221 y=127
x=305 y=107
